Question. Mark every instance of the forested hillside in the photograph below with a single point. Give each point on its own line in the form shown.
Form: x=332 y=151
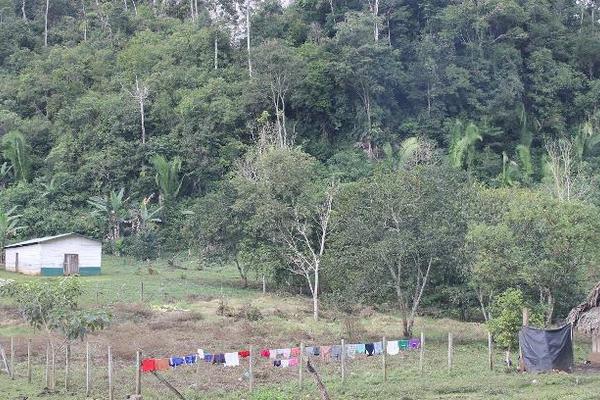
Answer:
x=396 y=152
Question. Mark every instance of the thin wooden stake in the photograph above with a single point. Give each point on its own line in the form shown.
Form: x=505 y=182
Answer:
x=110 y=371
x=88 y=386
x=52 y=367
x=138 y=372
x=384 y=358
x=422 y=353
x=250 y=371
x=343 y=360
x=142 y=291
x=490 y=352
x=450 y=350
x=47 y=370
x=301 y=365
x=67 y=366
x=12 y=358
x=29 y=360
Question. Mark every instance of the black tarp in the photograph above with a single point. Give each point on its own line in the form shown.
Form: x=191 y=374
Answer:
x=546 y=350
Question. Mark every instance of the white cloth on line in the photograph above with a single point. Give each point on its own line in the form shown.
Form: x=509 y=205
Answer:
x=393 y=348
x=232 y=359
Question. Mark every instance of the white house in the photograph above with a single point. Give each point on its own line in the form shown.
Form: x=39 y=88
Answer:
x=65 y=254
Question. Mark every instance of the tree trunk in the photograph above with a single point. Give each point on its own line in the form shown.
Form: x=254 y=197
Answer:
x=192 y=14
x=242 y=273
x=23 y=10
x=264 y=284
x=375 y=14
x=248 y=37
x=46 y=23
x=316 y=296
x=216 y=51
x=550 y=309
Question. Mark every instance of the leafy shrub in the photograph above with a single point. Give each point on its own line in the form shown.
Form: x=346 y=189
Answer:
x=250 y=313
x=507 y=313
x=143 y=246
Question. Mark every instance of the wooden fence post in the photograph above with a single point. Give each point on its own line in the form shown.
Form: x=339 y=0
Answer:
x=301 y=365
x=138 y=372
x=490 y=352
x=110 y=371
x=12 y=358
x=47 y=370
x=525 y=323
x=67 y=366
x=343 y=360
x=29 y=360
x=52 y=367
x=450 y=350
x=87 y=370
x=384 y=358
x=422 y=353
x=142 y=291
x=250 y=369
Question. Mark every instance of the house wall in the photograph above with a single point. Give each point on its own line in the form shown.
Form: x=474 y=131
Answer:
x=53 y=255
x=29 y=259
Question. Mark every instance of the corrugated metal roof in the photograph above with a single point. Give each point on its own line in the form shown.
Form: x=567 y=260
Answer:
x=46 y=239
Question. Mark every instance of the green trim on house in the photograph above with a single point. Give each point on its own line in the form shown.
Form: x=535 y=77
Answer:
x=89 y=271
x=50 y=271
x=83 y=271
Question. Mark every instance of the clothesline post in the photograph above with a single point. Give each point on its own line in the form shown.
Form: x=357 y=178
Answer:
x=250 y=371
x=142 y=291
x=29 y=360
x=343 y=360
x=300 y=365
x=450 y=349
x=87 y=369
x=421 y=353
x=384 y=358
x=110 y=371
x=47 y=370
x=138 y=372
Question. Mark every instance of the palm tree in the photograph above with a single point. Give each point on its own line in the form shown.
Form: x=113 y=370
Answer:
x=167 y=177
x=15 y=150
x=113 y=208
x=462 y=144
x=9 y=226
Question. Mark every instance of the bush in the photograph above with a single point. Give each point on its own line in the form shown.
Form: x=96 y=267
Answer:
x=507 y=313
x=143 y=246
x=250 y=313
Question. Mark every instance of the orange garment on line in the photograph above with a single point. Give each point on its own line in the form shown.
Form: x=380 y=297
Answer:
x=162 y=364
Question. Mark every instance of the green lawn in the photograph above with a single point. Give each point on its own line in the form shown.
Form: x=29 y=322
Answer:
x=179 y=313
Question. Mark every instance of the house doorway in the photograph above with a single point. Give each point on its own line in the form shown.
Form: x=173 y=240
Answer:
x=71 y=264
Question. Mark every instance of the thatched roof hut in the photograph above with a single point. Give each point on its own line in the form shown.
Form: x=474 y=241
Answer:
x=586 y=317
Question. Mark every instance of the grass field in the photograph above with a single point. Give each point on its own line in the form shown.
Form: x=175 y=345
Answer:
x=179 y=315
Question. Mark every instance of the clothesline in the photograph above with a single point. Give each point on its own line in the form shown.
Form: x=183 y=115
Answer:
x=285 y=357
